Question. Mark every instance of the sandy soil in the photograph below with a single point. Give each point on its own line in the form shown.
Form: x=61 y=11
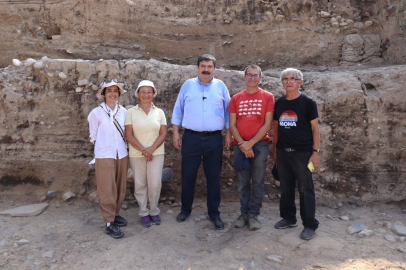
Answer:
x=71 y=236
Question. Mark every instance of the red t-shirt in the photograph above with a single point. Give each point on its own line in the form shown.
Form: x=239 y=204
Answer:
x=250 y=110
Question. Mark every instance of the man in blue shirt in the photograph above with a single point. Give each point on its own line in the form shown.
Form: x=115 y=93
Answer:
x=201 y=108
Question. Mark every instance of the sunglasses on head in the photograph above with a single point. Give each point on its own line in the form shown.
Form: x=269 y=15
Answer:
x=112 y=80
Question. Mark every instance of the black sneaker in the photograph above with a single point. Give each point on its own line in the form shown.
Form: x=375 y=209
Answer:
x=307 y=234
x=146 y=221
x=242 y=220
x=285 y=223
x=156 y=220
x=114 y=230
x=120 y=221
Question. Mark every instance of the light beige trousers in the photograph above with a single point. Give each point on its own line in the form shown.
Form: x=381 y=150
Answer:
x=111 y=177
x=147 y=183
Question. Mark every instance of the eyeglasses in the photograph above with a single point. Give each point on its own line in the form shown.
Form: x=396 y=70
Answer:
x=292 y=80
x=255 y=76
x=112 y=80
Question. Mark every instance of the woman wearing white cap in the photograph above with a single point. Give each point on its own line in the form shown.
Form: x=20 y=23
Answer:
x=106 y=126
x=146 y=129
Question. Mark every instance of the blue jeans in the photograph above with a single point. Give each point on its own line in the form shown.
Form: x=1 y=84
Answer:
x=251 y=192
x=194 y=148
x=292 y=167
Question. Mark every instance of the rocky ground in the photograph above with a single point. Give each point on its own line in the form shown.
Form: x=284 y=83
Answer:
x=70 y=235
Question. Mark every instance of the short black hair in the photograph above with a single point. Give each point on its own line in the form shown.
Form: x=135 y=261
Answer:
x=253 y=66
x=206 y=57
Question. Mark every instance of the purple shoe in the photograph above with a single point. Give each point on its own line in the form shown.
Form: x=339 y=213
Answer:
x=146 y=222
x=156 y=219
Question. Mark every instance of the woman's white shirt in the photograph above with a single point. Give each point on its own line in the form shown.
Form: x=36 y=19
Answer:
x=108 y=139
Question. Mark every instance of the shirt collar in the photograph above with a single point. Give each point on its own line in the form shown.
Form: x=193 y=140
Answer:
x=139 y=108
x=198 y=79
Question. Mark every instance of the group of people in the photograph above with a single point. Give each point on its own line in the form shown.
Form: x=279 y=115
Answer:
x=203 y=109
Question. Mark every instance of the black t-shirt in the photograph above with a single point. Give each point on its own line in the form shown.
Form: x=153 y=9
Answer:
x=294 y=128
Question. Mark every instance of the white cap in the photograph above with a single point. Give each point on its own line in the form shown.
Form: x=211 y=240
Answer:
x=108 y=83
x=145 y=83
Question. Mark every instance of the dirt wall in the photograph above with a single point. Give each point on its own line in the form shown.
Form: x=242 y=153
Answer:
x=44 y=132
x=273 y=34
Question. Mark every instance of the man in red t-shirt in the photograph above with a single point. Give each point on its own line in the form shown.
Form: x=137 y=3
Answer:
x=251 y=113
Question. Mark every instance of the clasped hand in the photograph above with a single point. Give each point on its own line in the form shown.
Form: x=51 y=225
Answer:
x=147 y=152
x=246 y=148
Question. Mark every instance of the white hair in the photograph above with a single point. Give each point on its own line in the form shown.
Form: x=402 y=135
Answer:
x=292 y=71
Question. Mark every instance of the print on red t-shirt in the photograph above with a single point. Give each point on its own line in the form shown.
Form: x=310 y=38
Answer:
x=251 y=110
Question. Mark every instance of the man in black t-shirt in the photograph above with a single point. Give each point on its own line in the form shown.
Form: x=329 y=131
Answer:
x=296 y=142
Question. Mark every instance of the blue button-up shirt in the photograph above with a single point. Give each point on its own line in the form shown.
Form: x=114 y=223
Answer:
x=202 y=107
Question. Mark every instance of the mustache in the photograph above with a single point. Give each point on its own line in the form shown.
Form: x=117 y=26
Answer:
x=206 y=72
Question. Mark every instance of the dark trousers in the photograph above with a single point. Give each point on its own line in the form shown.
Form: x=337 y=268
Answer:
x=195 y=148
x=292 y=168
x=251 y=182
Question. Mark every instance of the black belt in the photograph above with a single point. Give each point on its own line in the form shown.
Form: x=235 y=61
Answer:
x=203 y=133
x=289 y=149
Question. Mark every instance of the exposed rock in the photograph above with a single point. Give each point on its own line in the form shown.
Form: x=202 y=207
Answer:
x=33 y=39
x=368 y=23
x=3 y=243
x=130 y=3
x=25 y=211
x=93 y=197
x=349 y=22
x=279 y=18
x=372 y=49
x=22 y=242
x=68 y=195
x=391 y=8
x=62 y=75
x=83 y=82
x=275 y=258
x=167 y=175
x=16 y=62
x=365 y=49
x=38 y=65
x=29 y=62
x=94 y=87
x=51 y=194
x=353 y=179
x=352 y=49
x=358 y=25
x=366 y=93
x=366 y=232
x=390 y=238
x=345 y=218
x=399 y=229
x=324 y=14
x=356 y=227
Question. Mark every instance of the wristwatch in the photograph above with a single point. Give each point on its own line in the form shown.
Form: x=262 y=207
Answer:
x=316 y=150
